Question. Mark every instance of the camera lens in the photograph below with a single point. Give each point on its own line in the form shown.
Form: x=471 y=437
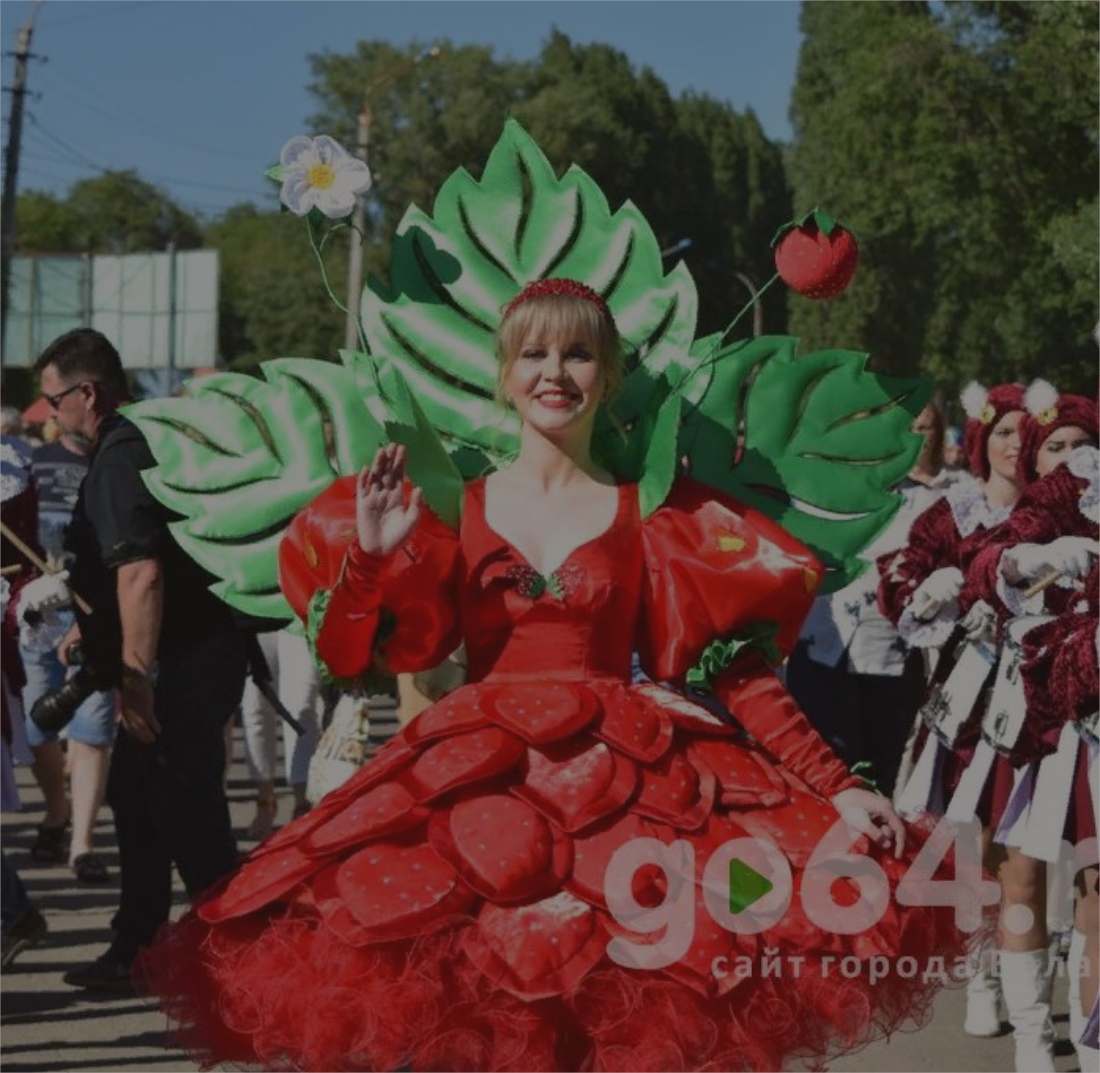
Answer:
x=53 y=711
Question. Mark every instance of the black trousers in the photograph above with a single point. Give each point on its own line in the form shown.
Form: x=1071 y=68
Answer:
x=168 y=798
x=862 y=716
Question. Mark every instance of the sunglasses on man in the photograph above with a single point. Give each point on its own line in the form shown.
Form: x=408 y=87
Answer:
x=54 y=401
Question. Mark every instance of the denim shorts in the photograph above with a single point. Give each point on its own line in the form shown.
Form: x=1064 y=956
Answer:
x=94 y=722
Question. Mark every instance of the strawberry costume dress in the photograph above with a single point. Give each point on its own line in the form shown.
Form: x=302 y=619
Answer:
x=448 y=906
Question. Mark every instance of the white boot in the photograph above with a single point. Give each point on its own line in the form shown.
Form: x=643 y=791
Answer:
x=1026 y=986
x=983 y=998
x=1088 y=1057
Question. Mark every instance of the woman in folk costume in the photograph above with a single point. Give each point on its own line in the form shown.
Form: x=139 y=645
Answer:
x=553 y=868
x=922 y=591
x=1039 y=757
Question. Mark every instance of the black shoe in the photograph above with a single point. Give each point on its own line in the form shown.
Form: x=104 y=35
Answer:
x=26 y=932
x=105 y=974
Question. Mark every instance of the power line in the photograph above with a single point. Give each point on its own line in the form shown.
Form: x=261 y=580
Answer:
x=80 y=157
x=141 y=124
x=11 y=157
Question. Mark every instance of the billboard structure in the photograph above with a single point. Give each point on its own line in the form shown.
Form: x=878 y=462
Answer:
x=159 y=309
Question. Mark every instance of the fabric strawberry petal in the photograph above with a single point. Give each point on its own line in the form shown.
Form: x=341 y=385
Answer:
x=385 y=810
x=264 y=881
x=592 y=854
x=577 y=785
x=686 y=713
x=675 y=792
x=540 y=950
x=744 y=780
x=543 y=712
x=295 y=832
x=462 y=759
x=502 y=847
x=633 y=724
x=796 y=826
x=392 y=757
x=457 y=711
x=396 y=891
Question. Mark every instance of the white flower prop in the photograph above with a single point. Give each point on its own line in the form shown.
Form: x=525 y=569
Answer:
x=320 y=173
x=973 y=399
x=1040 y=398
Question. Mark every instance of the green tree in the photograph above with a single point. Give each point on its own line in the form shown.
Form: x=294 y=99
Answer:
x=116 y=212
x=272 y=300
x=696 y=168
x=960 y=142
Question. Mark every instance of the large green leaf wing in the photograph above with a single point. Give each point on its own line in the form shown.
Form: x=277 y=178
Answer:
x=237 y=457
x=822 y=441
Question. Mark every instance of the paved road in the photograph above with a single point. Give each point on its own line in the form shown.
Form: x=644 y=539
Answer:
x=47 y=1025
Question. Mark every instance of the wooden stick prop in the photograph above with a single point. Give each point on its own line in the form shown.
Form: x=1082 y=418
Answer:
x=1042 y=583
x=42 y=565
x=7 y=571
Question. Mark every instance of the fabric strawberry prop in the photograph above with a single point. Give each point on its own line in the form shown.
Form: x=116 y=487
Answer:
x=815 y=255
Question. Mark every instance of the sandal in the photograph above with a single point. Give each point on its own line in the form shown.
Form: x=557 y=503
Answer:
x=88 y=868
x=49 y=844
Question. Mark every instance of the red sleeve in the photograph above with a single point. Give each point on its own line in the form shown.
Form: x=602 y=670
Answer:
x=717 y=570
x=934 y=542
x=1047 y=511
x=400 y=607
x=757 y=699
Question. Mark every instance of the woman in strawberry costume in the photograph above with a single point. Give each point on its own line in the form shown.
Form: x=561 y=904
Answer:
x=485 y=894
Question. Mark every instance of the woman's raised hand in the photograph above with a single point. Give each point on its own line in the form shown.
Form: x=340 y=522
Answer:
x=383 y=520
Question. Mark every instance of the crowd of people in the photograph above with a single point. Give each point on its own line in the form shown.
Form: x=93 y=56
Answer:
x=956 y=677
x=985 y=593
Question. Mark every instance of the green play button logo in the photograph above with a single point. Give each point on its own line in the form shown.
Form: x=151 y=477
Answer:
x=746 y=886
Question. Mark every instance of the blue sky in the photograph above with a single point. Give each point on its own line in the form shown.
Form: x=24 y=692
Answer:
x=198 y=95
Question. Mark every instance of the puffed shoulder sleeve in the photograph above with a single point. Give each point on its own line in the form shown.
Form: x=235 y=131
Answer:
x=400 y=608
x=718 y=576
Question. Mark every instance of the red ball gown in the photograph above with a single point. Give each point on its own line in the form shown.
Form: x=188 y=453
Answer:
x=447 y=907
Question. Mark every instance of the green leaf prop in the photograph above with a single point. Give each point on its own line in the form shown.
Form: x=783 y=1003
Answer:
x=823 y=438
x=823 y=442
x=238 y=457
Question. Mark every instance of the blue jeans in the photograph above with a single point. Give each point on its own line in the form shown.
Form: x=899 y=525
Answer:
x=94 y=721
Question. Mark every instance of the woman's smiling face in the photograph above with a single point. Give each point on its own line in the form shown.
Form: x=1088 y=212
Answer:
x=555 y=382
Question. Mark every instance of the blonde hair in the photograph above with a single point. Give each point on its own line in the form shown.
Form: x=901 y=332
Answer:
x=560 y=316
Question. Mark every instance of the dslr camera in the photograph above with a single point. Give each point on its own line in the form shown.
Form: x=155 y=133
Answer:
x=53 y=711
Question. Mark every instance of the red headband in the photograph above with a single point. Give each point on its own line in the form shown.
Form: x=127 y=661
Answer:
x=542 y=288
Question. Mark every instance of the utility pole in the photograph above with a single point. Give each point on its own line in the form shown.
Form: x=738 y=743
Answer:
x=11 y=157
x=358 y=229
x=359 y=214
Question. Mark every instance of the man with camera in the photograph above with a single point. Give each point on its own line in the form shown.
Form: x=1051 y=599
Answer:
x=157 y=635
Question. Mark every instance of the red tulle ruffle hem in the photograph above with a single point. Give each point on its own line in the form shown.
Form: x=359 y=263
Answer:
x=286 y=992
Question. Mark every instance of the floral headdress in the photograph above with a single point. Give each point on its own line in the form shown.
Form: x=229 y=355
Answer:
x=1045 y=412
x=984 y=407
x=572 y=288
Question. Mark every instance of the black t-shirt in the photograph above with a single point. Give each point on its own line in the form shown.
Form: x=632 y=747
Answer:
x=115 y=521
